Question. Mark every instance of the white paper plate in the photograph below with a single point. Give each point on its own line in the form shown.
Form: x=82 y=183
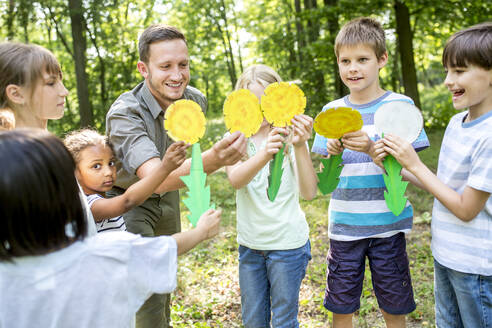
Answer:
x=399 y=118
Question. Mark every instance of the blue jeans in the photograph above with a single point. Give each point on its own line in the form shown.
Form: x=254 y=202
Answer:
x=463 y=300
x=270 y=283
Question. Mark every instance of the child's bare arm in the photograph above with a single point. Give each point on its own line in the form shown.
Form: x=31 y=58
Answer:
x=240 y=174
x=307 y=178
x=137 y=193
x=207 y=227
x=465 y=206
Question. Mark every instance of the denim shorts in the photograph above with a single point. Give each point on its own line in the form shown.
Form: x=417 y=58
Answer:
x=270 y=283
x=389 y=269
x=463 y=300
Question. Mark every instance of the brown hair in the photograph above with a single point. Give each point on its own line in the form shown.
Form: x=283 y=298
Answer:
x=470 y=46
x=259 y=73
x=79 y=140
x=362 y=30
x=23 y=65
x=7 y=119
x=156 y=33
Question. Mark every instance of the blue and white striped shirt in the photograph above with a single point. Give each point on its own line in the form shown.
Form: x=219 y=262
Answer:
x=357 y=207
x=465 y=160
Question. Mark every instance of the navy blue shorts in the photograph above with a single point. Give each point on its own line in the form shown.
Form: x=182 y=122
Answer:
x=389 y=269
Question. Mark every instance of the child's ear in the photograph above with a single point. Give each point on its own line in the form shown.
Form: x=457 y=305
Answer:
x=383 y=60
x=16 y=94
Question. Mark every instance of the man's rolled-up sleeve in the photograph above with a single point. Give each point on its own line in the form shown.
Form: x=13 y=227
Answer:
x=127 y=132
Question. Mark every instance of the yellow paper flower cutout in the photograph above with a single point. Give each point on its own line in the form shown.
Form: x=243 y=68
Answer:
x=333 y=123
x=242 y=112
x=281 y=102
x=184 y=120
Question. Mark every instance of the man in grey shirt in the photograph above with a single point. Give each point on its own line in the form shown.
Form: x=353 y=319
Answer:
x=135 y=127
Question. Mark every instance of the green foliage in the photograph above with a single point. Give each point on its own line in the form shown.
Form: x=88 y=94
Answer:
x=330 y=174
x=395 y=186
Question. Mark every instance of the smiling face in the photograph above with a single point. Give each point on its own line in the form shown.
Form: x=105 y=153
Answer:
x=48 y=98
x=471 y=87
x=167 y=72
x=359 y=69
x=96 y=170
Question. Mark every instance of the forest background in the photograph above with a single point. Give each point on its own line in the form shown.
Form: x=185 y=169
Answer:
x=96 y=44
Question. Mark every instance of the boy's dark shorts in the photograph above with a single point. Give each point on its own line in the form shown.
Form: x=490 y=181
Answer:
x=389 y=269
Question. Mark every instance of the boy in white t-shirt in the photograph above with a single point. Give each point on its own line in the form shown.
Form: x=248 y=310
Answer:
x=462 y=213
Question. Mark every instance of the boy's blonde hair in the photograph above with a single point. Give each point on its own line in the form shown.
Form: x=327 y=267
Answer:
x=362 y=30
x=261 y=74
x=471 y=46
x=7 y=119
x=79 y=140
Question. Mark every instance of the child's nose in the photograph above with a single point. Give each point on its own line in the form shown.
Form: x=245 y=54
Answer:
x=448 y=79
x=108 y=171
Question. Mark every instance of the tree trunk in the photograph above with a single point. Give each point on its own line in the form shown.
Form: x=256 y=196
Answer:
x=79 y=48
x=405 y=46
x=301 y=43
x=10 y=20
x=333 y=27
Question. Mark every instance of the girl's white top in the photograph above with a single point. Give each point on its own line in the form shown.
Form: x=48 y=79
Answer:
x=99 y=282
x=266 y=225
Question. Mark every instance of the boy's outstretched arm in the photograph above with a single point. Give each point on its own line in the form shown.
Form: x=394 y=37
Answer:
x=137 y=193
x=207 y=227
x=306 y=176
x=465 y=206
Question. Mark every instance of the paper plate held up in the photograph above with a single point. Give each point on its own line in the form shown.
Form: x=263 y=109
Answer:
x=184 y=120
x=242 y=112
x=281 y=102
x=399 y=118
x=404 y=120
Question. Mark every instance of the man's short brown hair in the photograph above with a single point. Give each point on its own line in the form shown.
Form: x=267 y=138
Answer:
x=471 y=46
x=156 y=33
x=362 y=30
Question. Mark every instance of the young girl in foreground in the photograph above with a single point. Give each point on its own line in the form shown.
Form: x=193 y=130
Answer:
x=96 y=173
x=273 y=237
x=53 y=276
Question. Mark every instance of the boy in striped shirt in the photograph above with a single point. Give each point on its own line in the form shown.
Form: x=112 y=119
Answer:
x=360 y=223
x=462 y=213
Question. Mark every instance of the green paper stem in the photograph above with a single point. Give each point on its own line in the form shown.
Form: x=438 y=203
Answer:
x=395 y=186
x=330 y=175
x=275 y=176
x=198 y=200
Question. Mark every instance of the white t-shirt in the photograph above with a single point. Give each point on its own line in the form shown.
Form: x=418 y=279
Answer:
x=465 y=160
x=266 y=225
x=91 y=223
x=99 y=282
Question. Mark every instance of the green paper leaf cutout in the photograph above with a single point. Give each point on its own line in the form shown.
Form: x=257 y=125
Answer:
x=198 y=201
x=330 y=175
x=275 y=176
x=395 y=194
